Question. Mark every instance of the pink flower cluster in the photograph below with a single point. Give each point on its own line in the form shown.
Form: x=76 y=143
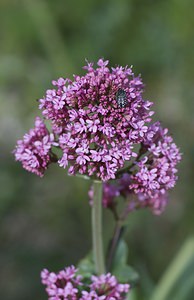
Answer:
x=97 y=136
x=146 y=181
x=156 y=201
x=34 y=151
x=67 y=285
x=156 y=171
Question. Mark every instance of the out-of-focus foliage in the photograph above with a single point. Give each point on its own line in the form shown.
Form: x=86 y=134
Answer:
x=177 y=282
x=46 y=222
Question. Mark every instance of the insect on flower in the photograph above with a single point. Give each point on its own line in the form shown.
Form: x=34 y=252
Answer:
x=121 y=98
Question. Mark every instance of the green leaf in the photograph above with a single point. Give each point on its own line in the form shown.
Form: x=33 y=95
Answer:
x=120 y=269
x=86 y=266
x=120 y=255
x=185 y=289
x=132 y=295
x=125 y=273
x=178 y=281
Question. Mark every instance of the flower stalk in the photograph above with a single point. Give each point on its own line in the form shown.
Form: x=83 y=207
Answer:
x=97 y=228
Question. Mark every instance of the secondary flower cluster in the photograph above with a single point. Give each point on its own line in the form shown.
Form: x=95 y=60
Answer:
x=34 y=151
x=145 y=182
x=156 y=171
x=66 y=284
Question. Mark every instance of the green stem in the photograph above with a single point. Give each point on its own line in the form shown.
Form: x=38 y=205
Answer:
x=97 y=228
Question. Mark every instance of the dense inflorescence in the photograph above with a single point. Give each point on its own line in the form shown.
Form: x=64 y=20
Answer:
x=102 y=126
x=95 y=135
x=66 y=284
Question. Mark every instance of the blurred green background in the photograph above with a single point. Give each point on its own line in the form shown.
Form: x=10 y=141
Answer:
x=46 y=222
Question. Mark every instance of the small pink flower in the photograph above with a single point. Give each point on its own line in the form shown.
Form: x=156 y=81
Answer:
x=92 y=125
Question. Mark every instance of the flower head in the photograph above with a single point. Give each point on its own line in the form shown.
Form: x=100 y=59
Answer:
x=101 y=123
x=66 y=284
x=96 y=135
x=107 y=284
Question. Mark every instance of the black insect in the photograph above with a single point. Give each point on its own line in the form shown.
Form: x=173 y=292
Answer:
x=121 y=98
